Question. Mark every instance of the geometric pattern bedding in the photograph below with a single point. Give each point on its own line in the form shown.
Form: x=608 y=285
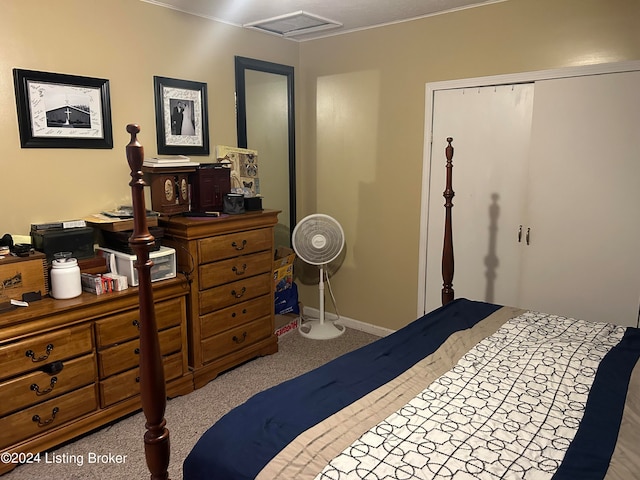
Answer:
x=510 y=406
x=554 y=399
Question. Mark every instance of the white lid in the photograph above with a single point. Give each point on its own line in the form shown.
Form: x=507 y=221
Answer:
x=64 y=263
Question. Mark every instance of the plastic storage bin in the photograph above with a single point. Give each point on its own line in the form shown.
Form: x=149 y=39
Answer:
x=164 y=263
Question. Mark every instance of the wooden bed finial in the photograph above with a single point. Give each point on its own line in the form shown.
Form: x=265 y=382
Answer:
x=152 y=383
x=447 y=249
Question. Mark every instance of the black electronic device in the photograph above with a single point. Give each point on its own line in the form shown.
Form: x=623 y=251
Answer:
x=201 y=214
x=78 y=241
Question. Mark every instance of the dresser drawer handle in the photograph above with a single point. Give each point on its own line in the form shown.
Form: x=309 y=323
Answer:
x=239 y=247
x=136 y=324
x=31 y=354
x=137 y=351
x=240 y=340
x=239 y=272
x=234 y=314
x=238 y=295
x=53 y=368
x=44 y=423
x=35 y=388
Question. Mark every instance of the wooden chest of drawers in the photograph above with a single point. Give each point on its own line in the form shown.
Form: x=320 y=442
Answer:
x=69 y=366
x=35 y=400
x=230 y=309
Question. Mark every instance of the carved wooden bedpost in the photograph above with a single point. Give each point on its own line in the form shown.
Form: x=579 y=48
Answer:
x=447 y=249
x=152 y=384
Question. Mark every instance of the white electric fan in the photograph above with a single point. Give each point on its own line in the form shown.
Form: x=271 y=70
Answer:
x=318 y=239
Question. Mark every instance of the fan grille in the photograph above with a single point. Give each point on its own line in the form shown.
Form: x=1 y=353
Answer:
x=318 y=239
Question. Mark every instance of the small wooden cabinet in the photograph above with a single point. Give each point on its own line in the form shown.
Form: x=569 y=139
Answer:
x=229 y=262
x=69 y=366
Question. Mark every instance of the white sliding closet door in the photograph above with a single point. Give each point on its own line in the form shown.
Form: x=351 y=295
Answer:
x=559 y=158
x=584 y=199
x=490 y=127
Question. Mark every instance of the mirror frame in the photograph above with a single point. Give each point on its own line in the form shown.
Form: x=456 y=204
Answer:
x=242 y=64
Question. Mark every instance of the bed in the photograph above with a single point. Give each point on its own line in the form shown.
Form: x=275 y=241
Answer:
x=471 y=390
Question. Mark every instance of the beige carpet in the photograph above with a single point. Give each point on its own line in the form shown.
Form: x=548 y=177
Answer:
x=188 y=416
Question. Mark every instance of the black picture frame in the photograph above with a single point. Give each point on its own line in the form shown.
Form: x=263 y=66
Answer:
x=184 y=132
x=57 y=110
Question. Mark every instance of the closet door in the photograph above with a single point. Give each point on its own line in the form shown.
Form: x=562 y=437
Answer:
x=584 y=199
x=490 y=127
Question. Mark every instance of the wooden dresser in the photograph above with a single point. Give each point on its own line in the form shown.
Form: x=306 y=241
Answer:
x=69 y=366
x=229 y=262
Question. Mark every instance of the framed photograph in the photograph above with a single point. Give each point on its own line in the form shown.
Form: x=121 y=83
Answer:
x=62 y=111
x=182 y=126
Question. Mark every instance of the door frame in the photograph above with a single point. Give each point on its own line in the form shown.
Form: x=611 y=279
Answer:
x=506 y=79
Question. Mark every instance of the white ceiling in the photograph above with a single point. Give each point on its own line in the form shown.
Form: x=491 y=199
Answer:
x=352 y=14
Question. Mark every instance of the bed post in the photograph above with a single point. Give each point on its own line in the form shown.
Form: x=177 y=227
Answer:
x=152 y=385
x=447 y=249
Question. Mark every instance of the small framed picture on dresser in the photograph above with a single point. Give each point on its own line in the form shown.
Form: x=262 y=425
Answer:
x=62 y=111
x=182 y=126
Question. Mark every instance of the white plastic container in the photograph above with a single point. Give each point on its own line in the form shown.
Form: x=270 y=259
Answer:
x=164 y=264
x=65 y=278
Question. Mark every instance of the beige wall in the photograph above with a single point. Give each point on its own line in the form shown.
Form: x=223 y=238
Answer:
x=360 y=100
x=363 y=120
x=127 y=42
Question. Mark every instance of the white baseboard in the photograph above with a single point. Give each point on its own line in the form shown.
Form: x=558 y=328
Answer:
x=349 y=322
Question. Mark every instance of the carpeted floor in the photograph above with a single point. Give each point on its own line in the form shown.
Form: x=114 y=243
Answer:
x=187 y=416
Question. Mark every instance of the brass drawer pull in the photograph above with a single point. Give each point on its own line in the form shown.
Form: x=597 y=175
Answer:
x=234 y=314
x=238 y=295
x=239 y=247
x=31 y=354
x=137 y=351
x=35 y=388
x=239 y=272
x=136 y=323
x=44 y=423
x=240 y=340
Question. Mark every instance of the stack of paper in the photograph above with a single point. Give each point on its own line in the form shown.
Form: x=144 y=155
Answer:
x=175 y=161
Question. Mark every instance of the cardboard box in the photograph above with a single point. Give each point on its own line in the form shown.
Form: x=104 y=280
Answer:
x=92 y=283
x=286 y=323
x=283 y=268
x=117 y=283
x=20 y=275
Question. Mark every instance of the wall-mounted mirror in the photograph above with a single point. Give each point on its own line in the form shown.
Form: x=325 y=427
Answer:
x=266 y=123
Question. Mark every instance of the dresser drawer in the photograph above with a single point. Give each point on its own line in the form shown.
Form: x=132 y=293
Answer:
x=234 y=293
x=219 y=273
x=235 y=315
x=36 y=387
x=233 y=244
x=39 y=350
x=122 y=357
x=127 y=384
x=47 y=415
x=126 y=326
x=236 y=339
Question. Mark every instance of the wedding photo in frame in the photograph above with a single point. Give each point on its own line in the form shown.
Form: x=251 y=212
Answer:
x=62 y=111
x=181 y=117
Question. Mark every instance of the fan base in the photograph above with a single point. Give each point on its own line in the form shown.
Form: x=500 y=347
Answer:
x=321 y=330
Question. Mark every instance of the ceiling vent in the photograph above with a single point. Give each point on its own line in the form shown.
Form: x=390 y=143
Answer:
x=293 y=24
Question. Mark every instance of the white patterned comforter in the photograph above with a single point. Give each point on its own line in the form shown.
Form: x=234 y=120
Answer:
x=508 y=409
